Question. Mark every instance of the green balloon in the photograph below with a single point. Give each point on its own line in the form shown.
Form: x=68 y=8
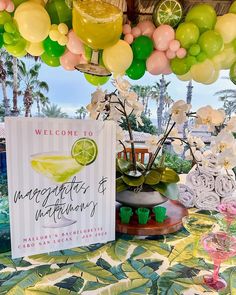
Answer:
x=10 y=27
x=51 y=61
x=201 y=56
x=203 y=16
x=234 y=44
x=18 y=2
x=232 y=73
x=179 y=66
x=1 y=40
x=5 y=17
x=96 y=80
x=16 y=49
x=59 y=12
x=190 y=60
x=2 y=29
x=232 y=8
x=88 y=52
x=8 y=38
x=137 y=69
x=52 y=48
x=187 y=34
x=142 y=47
x=211 y=43
x=194 y=50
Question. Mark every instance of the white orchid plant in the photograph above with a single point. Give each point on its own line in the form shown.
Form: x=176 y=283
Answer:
x=133 y=175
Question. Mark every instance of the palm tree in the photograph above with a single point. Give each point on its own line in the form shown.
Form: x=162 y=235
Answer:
x=53 y=111
x=3 y=81
x=188 y=101
x=81 y=113
x=144 y=92
x=33 y=88
x=15 y=86
x=163 y=100
x=228 y=97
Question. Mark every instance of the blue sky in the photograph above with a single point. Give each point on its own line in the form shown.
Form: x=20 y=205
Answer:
x=70 y=90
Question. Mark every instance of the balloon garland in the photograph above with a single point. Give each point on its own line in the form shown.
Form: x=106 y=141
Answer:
x=197 y=48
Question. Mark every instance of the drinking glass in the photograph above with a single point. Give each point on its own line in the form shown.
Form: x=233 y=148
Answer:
x=197 y=224
x=99 y=25
x=220 y=246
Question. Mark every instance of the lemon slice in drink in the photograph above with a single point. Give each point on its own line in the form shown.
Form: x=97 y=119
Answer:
x=84 y=151
x=98 y=24
x=168 y=12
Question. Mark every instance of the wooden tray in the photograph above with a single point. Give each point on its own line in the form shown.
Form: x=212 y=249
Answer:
x=175 y=212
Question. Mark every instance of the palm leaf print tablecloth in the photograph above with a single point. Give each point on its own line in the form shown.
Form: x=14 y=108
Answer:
x=130 y=265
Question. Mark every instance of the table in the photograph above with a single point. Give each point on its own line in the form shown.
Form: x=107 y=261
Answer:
x=130 y=265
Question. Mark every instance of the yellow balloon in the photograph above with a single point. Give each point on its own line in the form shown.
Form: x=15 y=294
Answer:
x=226 y=27
x=41 y=2
x=33 y=21
x=226 y=58
x=118 y=58
x=185 y=77
x=214 y=77
x=35 y=49
x=203 y=72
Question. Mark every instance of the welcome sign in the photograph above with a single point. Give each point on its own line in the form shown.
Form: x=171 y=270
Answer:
x=61 y=181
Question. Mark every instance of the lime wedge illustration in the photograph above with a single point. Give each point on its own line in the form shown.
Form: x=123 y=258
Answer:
x=84 y=151
x=168 y=12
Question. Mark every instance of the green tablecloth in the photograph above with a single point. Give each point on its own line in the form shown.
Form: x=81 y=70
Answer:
x=130 y=265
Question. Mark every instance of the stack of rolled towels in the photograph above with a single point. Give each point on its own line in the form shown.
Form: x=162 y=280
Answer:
x=206 y=187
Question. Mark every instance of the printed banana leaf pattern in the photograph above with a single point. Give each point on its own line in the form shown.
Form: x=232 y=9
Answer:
x=160 y=265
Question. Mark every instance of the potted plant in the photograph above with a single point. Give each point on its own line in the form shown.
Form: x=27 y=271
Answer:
x=152 y=183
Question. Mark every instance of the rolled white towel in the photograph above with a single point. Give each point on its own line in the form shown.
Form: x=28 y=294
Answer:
x=200 y=181
x=186 y=195
x=206 y=200
x=225 y=185
x=209 y=164
x=229 y=199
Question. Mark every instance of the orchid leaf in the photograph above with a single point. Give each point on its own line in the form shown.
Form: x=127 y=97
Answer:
x=153 y=177
x=133 y=181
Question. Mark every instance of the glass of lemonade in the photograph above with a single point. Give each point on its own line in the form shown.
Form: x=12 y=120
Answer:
x=98 y=24
x=56 y=166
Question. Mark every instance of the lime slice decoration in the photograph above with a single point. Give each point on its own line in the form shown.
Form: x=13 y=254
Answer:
x=84 y=151
x=168 y=12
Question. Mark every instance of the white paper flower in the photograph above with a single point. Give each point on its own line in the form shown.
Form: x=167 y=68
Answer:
x=114 y=114
x=121 y=85
x=92 y=109
x=222 y=141
x=195 y=141
x=174 y=132
x=231 y=125
x=179 y=110
x=131 y=96
x=227 y=159
x=152 y=142
x=139 y=120
x=210 y=117
x=197 y=154
x=97 y=96
x=178 y=146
